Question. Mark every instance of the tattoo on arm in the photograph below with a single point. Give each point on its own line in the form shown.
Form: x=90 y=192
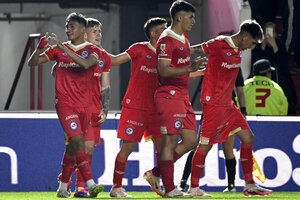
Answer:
x=105 y=97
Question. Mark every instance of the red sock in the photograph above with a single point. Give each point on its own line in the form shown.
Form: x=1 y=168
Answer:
x=155 y=170
x=198 y=163
x=246 y=158
x=120 y=167
x=83 y=165
x=68 y=166
x=79 y=179
x=167 y=174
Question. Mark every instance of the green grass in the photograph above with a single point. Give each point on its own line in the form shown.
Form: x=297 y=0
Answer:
x=148 y=195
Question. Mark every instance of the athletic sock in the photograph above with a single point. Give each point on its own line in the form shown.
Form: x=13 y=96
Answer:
x=167 y=174
x=230 y=168
x=198 y=164
x=247 y=162
x=80 y=183
x=120 y=167
x=155 y=170
x=83 y=165
x=68 y=166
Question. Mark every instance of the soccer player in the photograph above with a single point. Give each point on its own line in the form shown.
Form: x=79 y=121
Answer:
x=177 y=117
x=220 y=116
x=138 y=115
x=73 y=97
x=264 y=96
x=100 y=104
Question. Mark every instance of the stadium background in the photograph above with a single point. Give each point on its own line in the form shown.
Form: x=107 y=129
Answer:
x=32 y=142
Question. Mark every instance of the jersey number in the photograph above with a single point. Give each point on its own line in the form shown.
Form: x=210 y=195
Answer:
x=262 y=98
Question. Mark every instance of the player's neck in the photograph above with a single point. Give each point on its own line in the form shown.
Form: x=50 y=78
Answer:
x=153 y=42
x=235 y=39
x=77 y=41
x=176 y=28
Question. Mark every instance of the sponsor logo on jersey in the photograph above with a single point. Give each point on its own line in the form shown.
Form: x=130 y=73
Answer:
x=149 y=70
x=228 y=54
x=85 y=53
x=73 y=125
x=101 y=63
x=181 y=48
x=148 y=57
x=183 y=60
x=129 y=130
x=172 y=92
x=67 y=65
x=177 y=124
x=71 y=117
x=229 y=66
x=64 y=54
x=207 y=98
x=135 y=123
x=97 y=74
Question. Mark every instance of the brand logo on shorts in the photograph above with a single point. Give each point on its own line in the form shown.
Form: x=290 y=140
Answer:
x=101 y=63
x=129 y=130
x=178 y=124
x=73 y=126
x=128 y=101
x=172 y=92
x=85 y=53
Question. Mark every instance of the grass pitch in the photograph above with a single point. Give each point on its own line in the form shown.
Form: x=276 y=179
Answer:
x=149 y=195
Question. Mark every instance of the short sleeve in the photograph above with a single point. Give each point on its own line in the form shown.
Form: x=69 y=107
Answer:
x=209 y=46
x=50 y=54
x=164 y=48
x=132 y=51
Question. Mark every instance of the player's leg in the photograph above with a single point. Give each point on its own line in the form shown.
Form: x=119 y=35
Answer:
x=120 y=167
x=247 y=138
x=230 y=163
x=80 y=183
x=198 y=164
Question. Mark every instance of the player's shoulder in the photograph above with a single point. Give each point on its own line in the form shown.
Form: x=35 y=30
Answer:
x=139 y=44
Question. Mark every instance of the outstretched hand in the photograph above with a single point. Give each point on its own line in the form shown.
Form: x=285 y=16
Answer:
x=199 y=64
x=58 y=42
x=43 y=42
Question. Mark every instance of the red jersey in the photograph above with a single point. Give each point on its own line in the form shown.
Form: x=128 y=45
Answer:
x=222 y=69
x=73 y=83
x=143 y=81
x=177 y=50
x=103 y=66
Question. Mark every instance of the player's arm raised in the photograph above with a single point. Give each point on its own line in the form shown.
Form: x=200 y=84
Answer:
x=166 y=70
x=86 y=63
x=36 y=57
x=119 y=59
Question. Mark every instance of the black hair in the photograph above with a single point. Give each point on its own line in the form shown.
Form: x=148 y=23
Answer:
x=181 y=5
x=151 y=23
x=91 y=22
x=77 y=17
x=253 y=28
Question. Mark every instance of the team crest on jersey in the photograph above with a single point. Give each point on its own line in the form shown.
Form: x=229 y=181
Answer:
x=148 y=57
x=228 y=54
x=162 y=47
x=64 y=54
x=177 y=124
x=181 y=48
x=129 y=130
x=85 y=53
x=73 y=125
x=172 y=92
x=101 y=63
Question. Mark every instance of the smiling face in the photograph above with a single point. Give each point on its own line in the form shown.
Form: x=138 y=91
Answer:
x=75 y=31
x=93 y=35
